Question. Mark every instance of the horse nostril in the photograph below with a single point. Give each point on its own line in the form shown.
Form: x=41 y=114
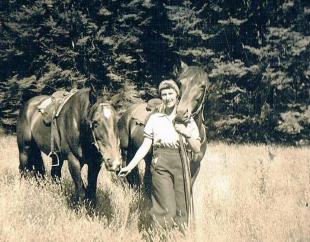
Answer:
x=183 y=112
x=108 y=162
x=118 y=168
x=187 y=112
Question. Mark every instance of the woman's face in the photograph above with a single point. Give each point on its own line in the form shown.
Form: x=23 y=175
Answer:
x=169 y=97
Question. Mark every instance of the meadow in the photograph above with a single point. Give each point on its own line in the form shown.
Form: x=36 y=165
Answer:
x=242 y=193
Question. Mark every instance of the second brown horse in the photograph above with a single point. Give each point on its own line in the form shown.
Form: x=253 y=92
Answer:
x=194 y=83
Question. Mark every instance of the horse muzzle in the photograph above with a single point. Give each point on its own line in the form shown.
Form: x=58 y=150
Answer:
x=113 y=165
x=183 y=115
x=182 y=119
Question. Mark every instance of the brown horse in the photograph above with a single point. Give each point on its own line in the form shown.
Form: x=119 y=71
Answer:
x=193 y=83
x=88 y=134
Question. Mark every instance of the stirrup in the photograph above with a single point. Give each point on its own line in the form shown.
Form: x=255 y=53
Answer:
x=54 y=154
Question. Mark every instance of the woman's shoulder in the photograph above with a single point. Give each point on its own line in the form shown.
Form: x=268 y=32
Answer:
x=154 y=117
x=157 y=115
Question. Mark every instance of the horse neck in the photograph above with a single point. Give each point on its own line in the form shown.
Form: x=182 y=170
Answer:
x=80 y=105
x=199 y=119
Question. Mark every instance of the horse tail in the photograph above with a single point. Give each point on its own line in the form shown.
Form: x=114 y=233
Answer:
x=23 y=129
x=29 y=153
x=24 y=140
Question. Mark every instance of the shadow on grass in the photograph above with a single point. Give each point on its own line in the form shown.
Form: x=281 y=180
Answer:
x=103 y=208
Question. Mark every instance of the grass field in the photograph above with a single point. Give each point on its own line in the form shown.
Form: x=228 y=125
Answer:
x=243 y=193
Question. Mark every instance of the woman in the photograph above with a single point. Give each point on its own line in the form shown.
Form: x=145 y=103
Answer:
x=168 y=195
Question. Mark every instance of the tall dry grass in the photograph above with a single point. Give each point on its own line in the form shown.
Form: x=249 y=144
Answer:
x=243 y=193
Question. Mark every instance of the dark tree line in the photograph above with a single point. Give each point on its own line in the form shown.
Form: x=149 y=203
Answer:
x=255 y=52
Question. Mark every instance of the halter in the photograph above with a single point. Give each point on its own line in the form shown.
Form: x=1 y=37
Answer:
x=194 y=114
x=95 y=142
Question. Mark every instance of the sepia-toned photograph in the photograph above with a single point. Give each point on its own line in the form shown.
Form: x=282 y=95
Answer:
x=141 y=120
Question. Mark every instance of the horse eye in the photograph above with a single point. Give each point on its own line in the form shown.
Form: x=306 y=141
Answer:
x=101 y=141
x=95 y=124
x=198 y=97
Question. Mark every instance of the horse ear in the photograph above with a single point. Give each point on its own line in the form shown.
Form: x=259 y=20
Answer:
x=175 y=70
x=184 y=66
x=92 y=94
x=115 y=99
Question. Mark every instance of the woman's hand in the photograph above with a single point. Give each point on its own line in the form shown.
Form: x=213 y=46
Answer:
x=124 y=171
x=193 y=143
x=181 y=128
x=140 y=154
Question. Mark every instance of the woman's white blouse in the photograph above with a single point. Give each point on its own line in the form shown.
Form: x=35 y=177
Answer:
x=160 y=129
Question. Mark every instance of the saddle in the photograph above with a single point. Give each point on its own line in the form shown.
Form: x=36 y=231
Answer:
x=151 y=107
x=50 y=109
x=153 y=103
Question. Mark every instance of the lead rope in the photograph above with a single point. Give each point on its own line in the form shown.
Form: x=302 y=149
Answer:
x=187 y=183
x=95 y=142
x=194 y=114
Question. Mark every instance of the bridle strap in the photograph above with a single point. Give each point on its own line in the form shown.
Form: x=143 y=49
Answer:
x=95 y=142
x=194 y=114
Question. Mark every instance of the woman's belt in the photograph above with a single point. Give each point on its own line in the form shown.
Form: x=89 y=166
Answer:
x=158 y=147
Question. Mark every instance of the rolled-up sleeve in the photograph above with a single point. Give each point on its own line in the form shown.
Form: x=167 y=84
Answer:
x=193 y=128
x=149 y=128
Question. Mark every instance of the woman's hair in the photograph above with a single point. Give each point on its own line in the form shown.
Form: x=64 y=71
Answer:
x=166 y=84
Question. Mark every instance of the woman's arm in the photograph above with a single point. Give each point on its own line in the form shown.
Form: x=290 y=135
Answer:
x=194 y=143
x=140 y=154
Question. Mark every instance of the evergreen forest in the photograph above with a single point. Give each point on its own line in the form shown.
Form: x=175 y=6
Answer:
x=256 y=54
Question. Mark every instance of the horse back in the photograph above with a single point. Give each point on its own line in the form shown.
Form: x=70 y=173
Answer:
x=131 y=124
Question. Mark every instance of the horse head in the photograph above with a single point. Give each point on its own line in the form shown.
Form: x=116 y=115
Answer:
x=103 y=124
x=193 y=82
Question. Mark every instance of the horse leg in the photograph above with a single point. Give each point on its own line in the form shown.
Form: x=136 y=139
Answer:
x=147 y=179
x=124 y=153
x=133 y=177
x=30 y=160
x=24 y=163
x=56 y=171
x=37 y=161
x=92 y=176
x=75 y=171
x=24 y=141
